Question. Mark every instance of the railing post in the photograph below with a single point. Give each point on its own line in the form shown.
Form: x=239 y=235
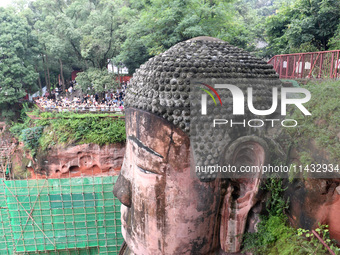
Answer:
x=331 y=72
x=314 y=63
x=336 y=65
x=294 y=67
x=311 y=66
x=320 y=66
x=281 y=64
x=287 y=67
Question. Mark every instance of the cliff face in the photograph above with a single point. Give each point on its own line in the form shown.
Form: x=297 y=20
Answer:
x=311 y=200
x=314 y=200
x=79 y=160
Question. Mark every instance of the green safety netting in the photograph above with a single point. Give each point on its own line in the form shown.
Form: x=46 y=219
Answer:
x=60 y=216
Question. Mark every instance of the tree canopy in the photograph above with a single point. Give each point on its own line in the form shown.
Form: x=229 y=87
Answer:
x=17 y=50
x=43 y=41
x=303 y=25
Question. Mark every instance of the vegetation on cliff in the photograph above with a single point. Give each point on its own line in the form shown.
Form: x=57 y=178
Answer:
x=41 y=131
x=323 y=125
x=275 y=236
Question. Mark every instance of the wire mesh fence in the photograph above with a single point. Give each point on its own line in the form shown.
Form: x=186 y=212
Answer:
x=59 y=216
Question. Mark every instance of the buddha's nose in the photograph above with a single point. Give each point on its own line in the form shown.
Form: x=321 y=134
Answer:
x=122 y=190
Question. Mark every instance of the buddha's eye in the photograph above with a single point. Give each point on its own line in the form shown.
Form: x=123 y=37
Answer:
x=145 y=171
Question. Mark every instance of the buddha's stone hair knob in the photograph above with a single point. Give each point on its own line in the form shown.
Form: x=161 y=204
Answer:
x=162 y=84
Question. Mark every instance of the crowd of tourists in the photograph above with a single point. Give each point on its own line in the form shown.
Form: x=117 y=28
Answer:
x=108 y=101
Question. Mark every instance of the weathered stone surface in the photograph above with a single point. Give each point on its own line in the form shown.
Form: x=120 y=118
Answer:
x=338 y=189
x=172 y=212
x=314 y=201
x=164 y=210
x=80 y=160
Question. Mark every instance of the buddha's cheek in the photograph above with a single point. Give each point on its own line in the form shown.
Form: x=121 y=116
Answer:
x=142 y=224
x=171 y=214
x=191 y=208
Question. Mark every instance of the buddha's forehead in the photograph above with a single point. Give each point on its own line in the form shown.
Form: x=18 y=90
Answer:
x=149 y=131
x=162 y=85
x=156 y=141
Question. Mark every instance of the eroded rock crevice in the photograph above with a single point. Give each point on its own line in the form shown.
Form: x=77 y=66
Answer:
x=78 y=160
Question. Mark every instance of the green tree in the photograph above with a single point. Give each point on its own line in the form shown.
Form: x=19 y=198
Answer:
x=304 y=25
x=95 y=81
x=59 y=39
x=17 y=74
x=154 y=26
x=85 y=34
x=334 y=42
x=79 y=34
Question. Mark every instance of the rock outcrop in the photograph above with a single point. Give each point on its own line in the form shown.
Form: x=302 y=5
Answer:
x=78 y=160
x=314 y=201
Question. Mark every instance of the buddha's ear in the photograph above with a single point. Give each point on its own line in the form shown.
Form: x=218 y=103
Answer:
x=242 y=191
x=244 y=151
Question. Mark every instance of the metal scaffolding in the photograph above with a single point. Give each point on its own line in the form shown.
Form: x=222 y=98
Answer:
x=6 y=151
x=59 y=216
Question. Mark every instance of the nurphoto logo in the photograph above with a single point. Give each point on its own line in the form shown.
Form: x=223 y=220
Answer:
x=238 y=104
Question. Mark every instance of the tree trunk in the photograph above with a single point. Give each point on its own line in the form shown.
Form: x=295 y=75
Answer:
x=48 y=76
x=39 y=81
x=61 y=74
x=45 y=74
x=118 y=75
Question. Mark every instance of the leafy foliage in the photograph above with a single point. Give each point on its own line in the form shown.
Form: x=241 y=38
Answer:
x=276 y=204
x=275 y=236
x=62 y=129
x=155 y=26
x=302 y=26
x=73 y=130
x=31 y=136
x=16 y=71
x=323 y=124
x=315 y=247
x=334 y=42
x=96 y=80
x=23 y=123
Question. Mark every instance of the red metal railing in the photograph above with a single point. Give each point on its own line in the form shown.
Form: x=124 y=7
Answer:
x=320 y=65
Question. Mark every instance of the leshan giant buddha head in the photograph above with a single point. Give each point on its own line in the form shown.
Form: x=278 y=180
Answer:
x=165 y=208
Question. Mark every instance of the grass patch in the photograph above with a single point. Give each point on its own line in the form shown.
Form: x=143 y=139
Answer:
x=274 y=235
x=73 y=115
x=67 y=128
x=323 y=125
x=92 y=129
